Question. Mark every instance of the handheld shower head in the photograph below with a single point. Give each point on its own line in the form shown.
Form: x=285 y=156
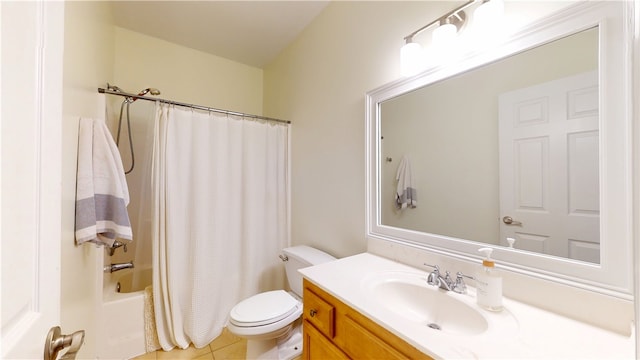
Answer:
x=152 y=91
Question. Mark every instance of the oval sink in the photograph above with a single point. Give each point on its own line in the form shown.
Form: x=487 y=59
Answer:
x=429 y=306
x=409 y=296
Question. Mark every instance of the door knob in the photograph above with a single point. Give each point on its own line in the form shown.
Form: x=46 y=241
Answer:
x=55 y=342
x=509 y=221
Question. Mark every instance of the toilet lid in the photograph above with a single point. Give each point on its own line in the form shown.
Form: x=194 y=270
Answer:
x=264 y=308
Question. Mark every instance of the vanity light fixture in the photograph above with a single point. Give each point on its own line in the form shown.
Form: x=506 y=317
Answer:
x=412 y=57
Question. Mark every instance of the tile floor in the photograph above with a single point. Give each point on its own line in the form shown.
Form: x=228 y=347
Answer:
x=225 y=347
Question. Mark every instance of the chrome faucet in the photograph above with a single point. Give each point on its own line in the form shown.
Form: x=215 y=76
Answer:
x=118 y=267
x=446 y=283
x=436 y=279
x=460 y=287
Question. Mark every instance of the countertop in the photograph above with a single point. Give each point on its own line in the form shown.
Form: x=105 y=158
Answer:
x=538 y=334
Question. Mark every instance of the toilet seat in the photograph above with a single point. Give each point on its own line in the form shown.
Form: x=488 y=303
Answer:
x=264 y=309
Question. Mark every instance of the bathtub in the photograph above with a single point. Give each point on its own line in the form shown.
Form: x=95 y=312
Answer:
x=122 y=328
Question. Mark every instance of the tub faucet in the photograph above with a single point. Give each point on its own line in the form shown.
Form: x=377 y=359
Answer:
x=118 y=267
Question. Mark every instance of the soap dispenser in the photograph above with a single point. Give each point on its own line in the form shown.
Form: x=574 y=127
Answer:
x=489 y=283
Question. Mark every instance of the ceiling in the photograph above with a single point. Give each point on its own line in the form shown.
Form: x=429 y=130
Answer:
x=249 y=32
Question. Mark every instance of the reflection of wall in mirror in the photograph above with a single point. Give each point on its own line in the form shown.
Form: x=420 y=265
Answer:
x=449 y=130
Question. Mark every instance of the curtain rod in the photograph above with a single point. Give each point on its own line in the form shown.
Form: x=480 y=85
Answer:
x=199 y=107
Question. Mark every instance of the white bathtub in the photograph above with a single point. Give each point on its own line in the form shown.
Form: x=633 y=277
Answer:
x=122 y=317
x=133 y=280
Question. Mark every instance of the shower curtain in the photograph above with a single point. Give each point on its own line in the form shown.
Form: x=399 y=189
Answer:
x=220 y=203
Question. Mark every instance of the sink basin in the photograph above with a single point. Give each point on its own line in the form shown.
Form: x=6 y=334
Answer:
x=408 y=296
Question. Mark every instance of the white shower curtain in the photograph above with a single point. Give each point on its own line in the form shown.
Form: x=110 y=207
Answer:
x=220 y=218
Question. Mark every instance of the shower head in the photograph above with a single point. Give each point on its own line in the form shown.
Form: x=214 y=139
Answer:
x=152 y=91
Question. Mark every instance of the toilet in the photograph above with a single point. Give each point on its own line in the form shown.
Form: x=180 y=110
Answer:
x=271 y=321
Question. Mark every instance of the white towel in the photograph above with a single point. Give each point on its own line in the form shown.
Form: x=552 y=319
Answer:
x=406 y=195
x=102 y=194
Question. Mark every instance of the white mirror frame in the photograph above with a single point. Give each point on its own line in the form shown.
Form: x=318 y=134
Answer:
x=613 y=276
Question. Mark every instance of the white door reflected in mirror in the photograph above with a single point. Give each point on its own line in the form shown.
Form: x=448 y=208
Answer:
x=549 y=167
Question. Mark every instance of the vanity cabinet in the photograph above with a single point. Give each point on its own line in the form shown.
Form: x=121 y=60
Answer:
x=334 y=330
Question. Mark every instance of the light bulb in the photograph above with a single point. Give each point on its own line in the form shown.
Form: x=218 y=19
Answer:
x=488 y=13
x=444 y=34
x=411 y=58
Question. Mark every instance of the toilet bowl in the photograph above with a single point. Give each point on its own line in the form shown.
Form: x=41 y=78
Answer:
x=265 y=316
x=270 y=321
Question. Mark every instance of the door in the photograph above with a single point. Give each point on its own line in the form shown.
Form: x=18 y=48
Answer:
x=31 y=89
x=549 y=168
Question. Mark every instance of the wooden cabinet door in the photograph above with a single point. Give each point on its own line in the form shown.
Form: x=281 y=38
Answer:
x=318 y=347
x=362 y=344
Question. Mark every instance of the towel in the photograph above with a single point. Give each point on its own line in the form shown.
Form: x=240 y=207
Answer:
x=102 y=194
x=406 y=196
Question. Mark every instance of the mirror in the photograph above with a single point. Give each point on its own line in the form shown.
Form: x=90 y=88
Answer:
x=460 y=170
x=522 y=141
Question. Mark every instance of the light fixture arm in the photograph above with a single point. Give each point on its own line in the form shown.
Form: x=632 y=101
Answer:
x=442 y=19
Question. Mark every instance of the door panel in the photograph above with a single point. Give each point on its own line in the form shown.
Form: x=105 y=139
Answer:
x=31 y=62
x=531 y=162
x=549 y=167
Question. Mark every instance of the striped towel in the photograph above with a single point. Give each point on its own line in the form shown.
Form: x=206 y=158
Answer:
x=102 y=194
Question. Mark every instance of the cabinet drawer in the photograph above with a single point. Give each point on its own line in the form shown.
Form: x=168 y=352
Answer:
x=319 y=313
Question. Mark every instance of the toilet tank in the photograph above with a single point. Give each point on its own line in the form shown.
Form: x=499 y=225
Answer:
x=299 y=257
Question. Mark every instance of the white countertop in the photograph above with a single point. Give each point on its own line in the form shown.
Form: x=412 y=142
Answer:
x=540 y=334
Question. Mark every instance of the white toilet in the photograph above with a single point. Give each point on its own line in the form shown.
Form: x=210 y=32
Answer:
x=270 y=321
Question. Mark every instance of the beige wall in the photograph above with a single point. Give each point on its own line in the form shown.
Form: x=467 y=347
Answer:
x=88 y=61
x=319 y=83
x=184 y=74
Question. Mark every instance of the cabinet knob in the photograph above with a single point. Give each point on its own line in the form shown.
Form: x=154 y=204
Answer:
x=313 y=312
